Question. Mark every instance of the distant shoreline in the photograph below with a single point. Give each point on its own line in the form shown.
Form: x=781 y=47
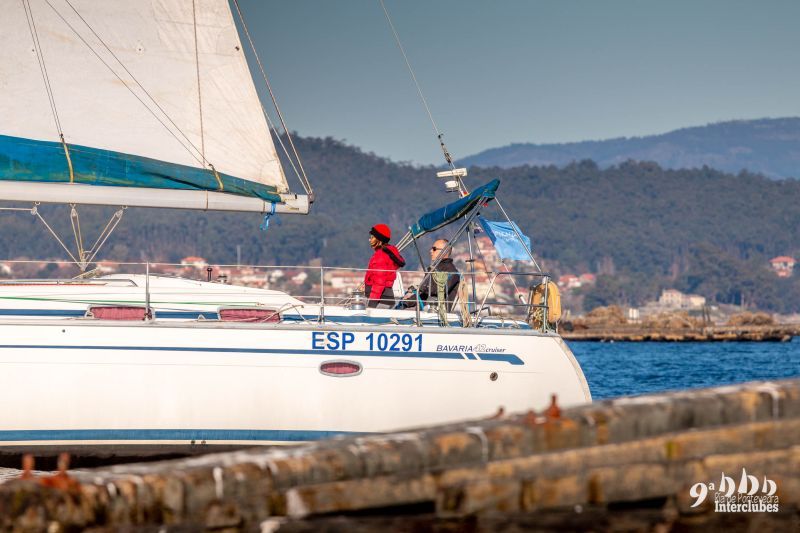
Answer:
x=776 y=333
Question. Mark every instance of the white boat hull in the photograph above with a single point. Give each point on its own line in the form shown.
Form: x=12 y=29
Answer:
x=174 y=386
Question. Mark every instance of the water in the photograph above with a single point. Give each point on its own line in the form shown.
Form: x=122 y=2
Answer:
x=626 y=368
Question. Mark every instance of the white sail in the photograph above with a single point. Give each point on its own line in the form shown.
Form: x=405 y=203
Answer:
x=161 y=79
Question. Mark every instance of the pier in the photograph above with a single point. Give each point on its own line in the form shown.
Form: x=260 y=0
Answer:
x=636 y=463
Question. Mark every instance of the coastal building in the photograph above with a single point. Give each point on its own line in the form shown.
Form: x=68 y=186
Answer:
x=248 y=276
x=194 y=262
x=298 y=278
x=675 y=299
x=571 y=281
x=670 y=298
x=486 y=258
x=344 y=281
x=107 y=267
x=783 y=265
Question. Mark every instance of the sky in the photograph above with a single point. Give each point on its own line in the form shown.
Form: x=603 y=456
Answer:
x=496 y=72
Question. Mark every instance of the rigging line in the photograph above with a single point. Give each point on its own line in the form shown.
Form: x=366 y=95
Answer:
x=42 y=68
x=283 y=147
x=48 y=86
x=502 y=262
x=35 y=211
x=135 y=80
x=220 y=183
x=302 y=177
x=153 y=100
x=106 y=233
x=521 y=241
x=511 y=277
x=439 y=134
x=69 y=159
x=76 y=231
x=199 y=97
x=483 y=260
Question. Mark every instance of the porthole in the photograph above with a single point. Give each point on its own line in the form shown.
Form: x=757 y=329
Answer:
x=340 y=369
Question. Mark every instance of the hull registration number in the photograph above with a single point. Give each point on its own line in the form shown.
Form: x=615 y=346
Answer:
x=375 y=342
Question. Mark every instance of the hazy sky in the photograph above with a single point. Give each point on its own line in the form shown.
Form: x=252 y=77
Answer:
x=502 y=71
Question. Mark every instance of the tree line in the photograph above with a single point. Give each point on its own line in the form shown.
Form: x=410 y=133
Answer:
x=641 y=228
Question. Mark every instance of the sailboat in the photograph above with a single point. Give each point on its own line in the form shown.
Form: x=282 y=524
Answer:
x=152 y=104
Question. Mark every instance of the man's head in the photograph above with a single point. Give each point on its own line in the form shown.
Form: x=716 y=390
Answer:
x=437 y=247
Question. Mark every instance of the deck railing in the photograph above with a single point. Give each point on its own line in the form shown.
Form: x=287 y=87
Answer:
x=498 y=294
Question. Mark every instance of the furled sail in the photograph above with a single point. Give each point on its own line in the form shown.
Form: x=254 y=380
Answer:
x=154 y=100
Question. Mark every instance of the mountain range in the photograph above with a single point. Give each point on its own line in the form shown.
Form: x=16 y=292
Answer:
x=769 y=146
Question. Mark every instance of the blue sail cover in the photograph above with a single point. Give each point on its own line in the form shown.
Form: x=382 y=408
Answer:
x=44 y=161
x=455 y=210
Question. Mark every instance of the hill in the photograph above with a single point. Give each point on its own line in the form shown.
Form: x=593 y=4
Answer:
x=637 y=225
x=767 y=146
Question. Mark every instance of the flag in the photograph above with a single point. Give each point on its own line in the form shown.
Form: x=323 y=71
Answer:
x=505 y=239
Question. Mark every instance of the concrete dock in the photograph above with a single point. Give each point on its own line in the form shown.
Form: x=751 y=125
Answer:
x=630 y=464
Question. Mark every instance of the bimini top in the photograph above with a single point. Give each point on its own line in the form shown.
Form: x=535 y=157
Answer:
x=454 y=210
x=145 y=103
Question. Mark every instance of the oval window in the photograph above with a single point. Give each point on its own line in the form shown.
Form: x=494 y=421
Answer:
x=340 y=369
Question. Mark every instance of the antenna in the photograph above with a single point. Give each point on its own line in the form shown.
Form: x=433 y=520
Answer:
x=459 y=184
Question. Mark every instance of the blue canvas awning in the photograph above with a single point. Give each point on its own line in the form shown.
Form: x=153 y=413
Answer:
x=453 y=211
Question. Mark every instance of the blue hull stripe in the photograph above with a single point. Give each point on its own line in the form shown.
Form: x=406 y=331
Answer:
x=500 y=357
x=286 y=435
x=43 y=312
x=77 y=313
x=212 y=315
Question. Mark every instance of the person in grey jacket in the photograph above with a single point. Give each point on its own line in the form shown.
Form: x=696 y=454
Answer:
x=428 y=288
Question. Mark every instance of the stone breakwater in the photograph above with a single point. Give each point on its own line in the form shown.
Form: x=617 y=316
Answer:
x=630 y=463
x=775 y=333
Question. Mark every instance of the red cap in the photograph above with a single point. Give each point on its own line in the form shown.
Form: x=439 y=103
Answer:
x=381 y=232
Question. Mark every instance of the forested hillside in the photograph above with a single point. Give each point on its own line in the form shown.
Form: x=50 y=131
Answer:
x=639 y=226
x=767 y=146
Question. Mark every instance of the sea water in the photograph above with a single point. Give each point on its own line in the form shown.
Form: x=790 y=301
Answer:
x=627 y=368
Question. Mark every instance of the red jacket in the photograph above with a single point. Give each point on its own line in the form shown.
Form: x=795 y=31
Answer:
x=381 y=271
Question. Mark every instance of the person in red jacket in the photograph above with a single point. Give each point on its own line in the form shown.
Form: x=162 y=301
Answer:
x=382 y=268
